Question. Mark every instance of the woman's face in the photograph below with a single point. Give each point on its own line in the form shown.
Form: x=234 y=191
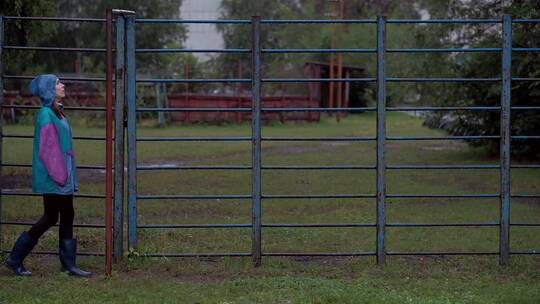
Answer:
x=60 y=92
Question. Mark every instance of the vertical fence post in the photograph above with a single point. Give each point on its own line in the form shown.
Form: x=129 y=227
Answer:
x=108 y=148
x=1 y=117
x=131 y=87
x=381 y=137
x=505 y=140
x=159 y=103
x=256 y=139
x=119 y=140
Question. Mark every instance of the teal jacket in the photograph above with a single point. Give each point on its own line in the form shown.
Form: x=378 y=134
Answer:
x=53 y=159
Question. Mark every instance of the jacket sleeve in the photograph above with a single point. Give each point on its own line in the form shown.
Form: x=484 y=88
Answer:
x=51 y=155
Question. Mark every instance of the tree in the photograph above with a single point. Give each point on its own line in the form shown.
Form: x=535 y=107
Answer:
x=524 y=93
x=88 y=35
x=317 y=36
x=25 y=33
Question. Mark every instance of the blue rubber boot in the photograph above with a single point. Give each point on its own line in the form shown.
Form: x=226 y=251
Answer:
x=68 y=254
x=21 y=249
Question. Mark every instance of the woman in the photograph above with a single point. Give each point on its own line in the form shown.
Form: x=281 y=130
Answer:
x=54 y=176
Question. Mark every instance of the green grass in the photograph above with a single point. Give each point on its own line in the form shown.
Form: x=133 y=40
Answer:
x=290 y=280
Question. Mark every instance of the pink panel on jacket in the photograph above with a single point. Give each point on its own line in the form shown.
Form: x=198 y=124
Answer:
x=51 y=155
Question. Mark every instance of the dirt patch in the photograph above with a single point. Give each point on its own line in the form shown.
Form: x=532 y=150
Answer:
x=322 y=260
x=90 y=175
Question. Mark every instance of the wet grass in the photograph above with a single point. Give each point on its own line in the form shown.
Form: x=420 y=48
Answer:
x=290 y=280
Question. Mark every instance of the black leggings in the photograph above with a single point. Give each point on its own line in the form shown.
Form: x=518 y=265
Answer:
x=54 y=205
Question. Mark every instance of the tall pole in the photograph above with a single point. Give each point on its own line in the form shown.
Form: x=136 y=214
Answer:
x=131 y=88
x=340 y=66
x=108 y=147
x=381 y=138
x=119 y=100
x=256 y=140
x=331 y=67
x=505 y=144
x=1 y=116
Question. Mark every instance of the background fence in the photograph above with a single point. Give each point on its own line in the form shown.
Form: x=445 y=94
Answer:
x=125 y=68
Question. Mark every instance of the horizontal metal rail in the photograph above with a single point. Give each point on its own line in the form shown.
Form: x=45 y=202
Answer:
x=179 y=50
x=206 y=226
x=13 y=223
x=525 y=137
x=341 y=109
x=207 y=138
x=175 y=167
x=248 y=110
x=517 y=224
x=271 y=51
x=192 y=21
x=316 y=225
x=523 y=195
x=302 y=51
x=333 y=167
x=342 y=138
x=79 y=253
x=172 y=80
x=315 y=196
x=284 y=80
x=484 y=195
x=28 y=107
x=305 y=80
x=22 y=136
x=473 y=108
x=240 y=138
x=443 y=21
x=7 y=192
x=445 y=225
x=439 y=167
x=63 y=19
x=464 y=137
x=442 y=79
x=64 y=79
x=272 y=21
x=320 y=225
x=319 y=254
x=194 y=197
x=428 y=253
x=195 y=255
x=320 y=167
x=53 y=49
x=528 y=252
x=192 y=226
x=84 y=167
x=267 y=51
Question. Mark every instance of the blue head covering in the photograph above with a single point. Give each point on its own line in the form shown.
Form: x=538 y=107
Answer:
x=44 y=86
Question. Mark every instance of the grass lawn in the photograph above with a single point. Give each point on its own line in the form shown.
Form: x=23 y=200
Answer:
x=436 y=279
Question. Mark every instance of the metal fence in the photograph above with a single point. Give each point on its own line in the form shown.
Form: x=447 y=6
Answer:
x=3 y=77
x=125 y=49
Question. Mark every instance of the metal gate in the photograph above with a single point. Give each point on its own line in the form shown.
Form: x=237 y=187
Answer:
x=125 y=68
